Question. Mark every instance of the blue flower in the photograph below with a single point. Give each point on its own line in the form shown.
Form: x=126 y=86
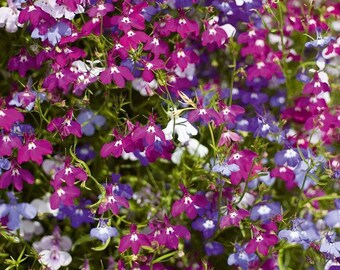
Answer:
x=329 y=246
x=303 y=232
x=226 y=169
x=265 y=211
x=213 y=248
x=241 y=258
x=5 y=164
x=290 y=157
x=54 y=34
x=207 y=225
x=15 y=210
x=103 y=232
x=77 y=214
x=90 y=121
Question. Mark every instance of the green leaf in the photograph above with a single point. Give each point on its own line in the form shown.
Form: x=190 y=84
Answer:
x=165 y=257
x=103 y=246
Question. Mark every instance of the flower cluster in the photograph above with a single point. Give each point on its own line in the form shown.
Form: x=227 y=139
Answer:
x=169 y=134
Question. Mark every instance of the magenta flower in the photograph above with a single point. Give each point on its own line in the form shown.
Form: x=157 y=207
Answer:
x=118 y=74
x=8 y=142
x=64 y=195
x=227 y=137
x=149 y=68
x=134 y=240
x=234 y=217
x=188 y=204
x=69 y=174
x=112 y=201
x=170 y=235
x=22 y=63
x=16 y=176
x=229 y=113
x=34 y=150
x=214 y=34
x=316 y=86
x=65 y=126
x=8 y=117
x=261 y=241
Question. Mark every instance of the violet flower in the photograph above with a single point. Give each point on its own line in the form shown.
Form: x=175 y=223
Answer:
x=242 y=258
x=65 y=126
x=9 y=116
x=90 y=122
x=103 y=232
x=8 y=142
x=207 y=225
x=290 y=157
x=134 y=240
x=265 y=211
x=14 y=210
x=213 y=248
x=329 y=246
x=261 y=241
x=78 y=214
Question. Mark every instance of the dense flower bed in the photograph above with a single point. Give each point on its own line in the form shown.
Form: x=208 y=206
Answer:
x=169 y=134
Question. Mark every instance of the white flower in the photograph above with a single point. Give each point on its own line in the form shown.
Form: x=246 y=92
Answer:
x=194 y=148
x=55 y=258
x=9 y=19
x=57 y=11
x=179 y=126
x=89 y=67
x=143 y=87
x=30 y=228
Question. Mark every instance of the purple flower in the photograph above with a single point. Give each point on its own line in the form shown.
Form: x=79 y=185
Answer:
x=329 y=246
x=213 y=248
x=8 y=117
x=16 y=176
x=69 y=174
x=290 y=157
x=65 y=125
x=63 y=195
x=103 y=232
x=265 y=211
x=134 y=240
x=85 y=152
x=303 y=232
x=332 y=219
x=90 y=122
x=112 y=201
x=207 y=225
x=54 y=33
x=14 y=210
x=123 y=190
x=170 y=234
x=77 y=214
x=226 y=169
x=188 y=204
x=261 y=241
x=242 y=258
x=5 y=164
x=8 y=142
x=233 y=217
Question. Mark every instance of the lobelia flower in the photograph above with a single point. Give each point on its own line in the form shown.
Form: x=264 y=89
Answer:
x=28 y=229
x=58 y=10
x=103 y=232
x=85 y=152
x=14 y=210
x=22 y=63
x=261 y=241
x=5 y=164
x=225 y=168
x=118 y=74
x=242 y=258
x=112 y=201
x=69 y=174
x=9 y=17
x=179 y=126
x=90 y=122
x=9 y=116
x=123 y=190
x=65 y=126
x=227 y=137
x=8 y=142
x=290 y=157
x=53 y=250
x=170 y=234
x=34 y=150
x=207 y=225
x=213 y=248
x=16 y=176
x=286 y=174
x=329 y=247
x=229 y=113
x=194 y=148
x=133 y=240
x=332 y=219
x=188 y=204
x=43 y=205
x=265 y=211
x=303 y=232
x=233 y=217
x=63 y=195
x=244 y=159
x=78 y=214
x=316 y=86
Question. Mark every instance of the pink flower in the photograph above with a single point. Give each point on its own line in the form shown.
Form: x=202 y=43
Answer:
x=16 y=176
x=69 y=174
x=65 y=126
x=134 y=240
x=233 y=217
x=261 y=241
x=34 y=150
x=316 y=86
x=8 y=142
x=227 y=137
x=8 y=117
x=112 y=201
x=188 y=204
x=118 y=74
x=229 y=113
x=63 y=195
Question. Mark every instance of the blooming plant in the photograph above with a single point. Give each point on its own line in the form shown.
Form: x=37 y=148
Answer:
x=169 y=134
